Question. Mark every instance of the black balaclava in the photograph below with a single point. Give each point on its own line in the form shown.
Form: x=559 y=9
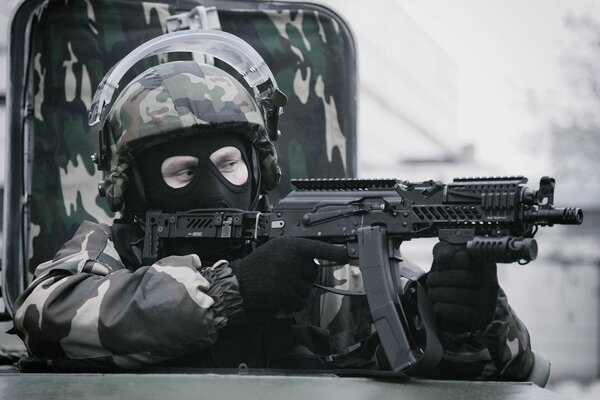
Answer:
x=208 y=188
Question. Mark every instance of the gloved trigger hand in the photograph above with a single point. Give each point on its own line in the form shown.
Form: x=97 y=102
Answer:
x=278 y=275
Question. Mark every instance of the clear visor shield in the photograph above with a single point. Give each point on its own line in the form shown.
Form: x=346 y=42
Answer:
x=222 y=45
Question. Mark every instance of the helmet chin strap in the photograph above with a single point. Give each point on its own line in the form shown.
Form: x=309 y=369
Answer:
x=256 y=179
x=136 y=196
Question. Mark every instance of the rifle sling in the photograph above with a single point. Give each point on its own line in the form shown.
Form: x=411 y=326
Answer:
x=432 y=352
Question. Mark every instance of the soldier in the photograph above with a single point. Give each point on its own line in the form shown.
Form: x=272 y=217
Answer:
x=190 y=136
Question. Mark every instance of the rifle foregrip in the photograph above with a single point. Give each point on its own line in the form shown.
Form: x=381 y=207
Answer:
x=502 y=249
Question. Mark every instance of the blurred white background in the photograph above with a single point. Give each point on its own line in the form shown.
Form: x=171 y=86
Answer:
x=478 y=88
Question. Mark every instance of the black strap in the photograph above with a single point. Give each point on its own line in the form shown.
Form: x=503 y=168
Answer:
x=339 y=291
x=357 y=353
x=127 y=238
x=432 y=353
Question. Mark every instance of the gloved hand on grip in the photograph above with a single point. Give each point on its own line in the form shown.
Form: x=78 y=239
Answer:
x=463 y=291
x=278 y=275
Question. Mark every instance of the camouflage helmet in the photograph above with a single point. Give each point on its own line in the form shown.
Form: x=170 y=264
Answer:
x=178 y=99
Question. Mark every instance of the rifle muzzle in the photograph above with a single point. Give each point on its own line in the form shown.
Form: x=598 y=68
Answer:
x=560 y=216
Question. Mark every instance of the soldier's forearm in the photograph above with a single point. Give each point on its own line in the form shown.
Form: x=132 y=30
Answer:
x=146 y=316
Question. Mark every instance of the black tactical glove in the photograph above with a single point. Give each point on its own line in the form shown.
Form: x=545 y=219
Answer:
x=462 y=291
x=278 y=275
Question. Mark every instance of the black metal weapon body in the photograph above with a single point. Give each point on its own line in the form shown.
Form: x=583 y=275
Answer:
x=495 y=217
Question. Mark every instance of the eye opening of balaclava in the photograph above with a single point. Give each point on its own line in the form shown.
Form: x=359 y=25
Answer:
x=207 y=188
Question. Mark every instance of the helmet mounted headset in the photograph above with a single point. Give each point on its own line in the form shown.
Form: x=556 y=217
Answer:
x=115 y=155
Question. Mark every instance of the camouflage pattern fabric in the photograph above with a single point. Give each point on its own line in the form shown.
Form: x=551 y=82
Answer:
x=85 y=307
x=178 y=99
x=500 y=352
x=306 y=47
x=172 y=97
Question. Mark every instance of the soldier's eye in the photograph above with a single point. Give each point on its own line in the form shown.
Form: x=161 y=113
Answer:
x=178 y=171
x=186 y=174
x=230 y=163
x=227 y=166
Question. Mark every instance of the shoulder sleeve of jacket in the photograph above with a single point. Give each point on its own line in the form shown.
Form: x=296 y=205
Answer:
x=502 y=351
x=89 y=250
x=85 y=305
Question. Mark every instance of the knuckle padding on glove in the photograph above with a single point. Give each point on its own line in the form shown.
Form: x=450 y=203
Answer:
x=458 y=296
x=322 y=250
x=443 y=252
x=463 y=279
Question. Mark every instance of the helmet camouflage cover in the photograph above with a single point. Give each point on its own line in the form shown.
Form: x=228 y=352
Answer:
x=178 y=99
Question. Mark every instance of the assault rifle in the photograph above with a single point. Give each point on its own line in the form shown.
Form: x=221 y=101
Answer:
x=496 y=218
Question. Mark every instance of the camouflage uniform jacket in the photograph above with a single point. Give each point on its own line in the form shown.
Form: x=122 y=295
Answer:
x=86 y=310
